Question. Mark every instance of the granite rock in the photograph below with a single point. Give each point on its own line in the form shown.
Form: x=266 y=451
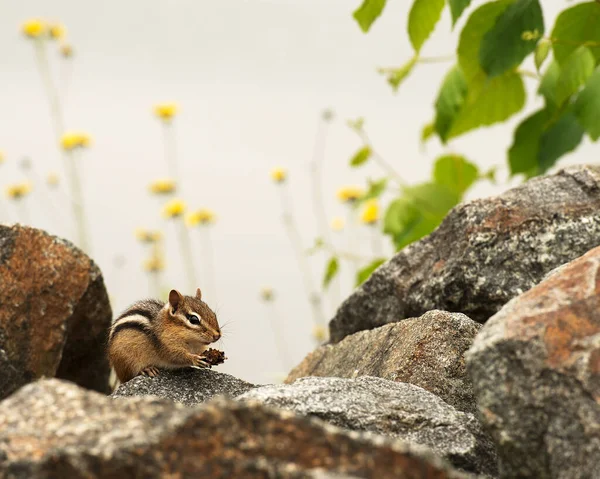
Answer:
x=53 y=428
x=427 y=351
x=535 y=368
x=54 y=312
x=187 y=386
x=394 y=409
x=483 y=254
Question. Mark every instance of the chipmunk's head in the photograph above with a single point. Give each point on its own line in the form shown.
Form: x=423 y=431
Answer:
x=199 y=322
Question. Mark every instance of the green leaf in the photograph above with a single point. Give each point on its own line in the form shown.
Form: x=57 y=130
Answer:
x=395 y=76
x=456 y=8
x=541 y=53
x=561 y=138
x=422 y=18
x=330 y=271
x=490 y=175
x=455 y=172
x=405 y=223
x=365 y=272
x=449 y=101
x=548 y=84
x=575 y=71
x=523 y=153
x=432 y=198
x=427 y=131
x=361 y=156
x=368 y=12
x=587 y=106
x=418 y=212
x=479 y=23
x=505 y=46
x=375 y=189
x=490 y=102
x=574 y=27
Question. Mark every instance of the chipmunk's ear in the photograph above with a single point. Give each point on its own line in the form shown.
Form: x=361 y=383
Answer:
x=198 y=293
x=175 y=298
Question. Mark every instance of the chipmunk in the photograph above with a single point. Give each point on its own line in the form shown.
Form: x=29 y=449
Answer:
x=151 y=334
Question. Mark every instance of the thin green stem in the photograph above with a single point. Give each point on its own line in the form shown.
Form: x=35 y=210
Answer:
x=51 y=92
x=314 y=297
x=208 y=257
x=345 y=254
x=171 y=150
x=280 y=343
x=351 y=234
x=316 y=169
x=438 y=59
x=59 y=129
x=379 y=159
x=66 y=70
x=47 y=201
x=73 y=162
x=186 y=254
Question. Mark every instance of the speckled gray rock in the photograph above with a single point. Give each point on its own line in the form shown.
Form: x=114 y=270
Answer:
x=54 y=429
x=427 y=351
x=395 y=409
x=483 y=254
x=536 y=374
x=188 y=386
x=54 y=312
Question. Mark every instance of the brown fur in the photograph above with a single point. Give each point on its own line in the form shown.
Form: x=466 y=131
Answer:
x=167 y=340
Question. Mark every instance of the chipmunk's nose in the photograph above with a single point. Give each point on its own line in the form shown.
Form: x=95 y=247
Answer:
x=217 y=335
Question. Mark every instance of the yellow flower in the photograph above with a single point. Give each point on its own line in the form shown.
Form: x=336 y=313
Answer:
x=278 y=175
x=370 y=213
x=154 y=264
x=349 y=193
x=75 y=139
x=162 y=187
x=201 y=217
x=1 y=157
x=34 y=28
x=18 y=190
x=85 y=140
x=174 y=208
x=52 y=179
x=57 y=31
x=147 y=236
x=165 y=111
x=267 y=294
x=337 y=224
x=319 y=333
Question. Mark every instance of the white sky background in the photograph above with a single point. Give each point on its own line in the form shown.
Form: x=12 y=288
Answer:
x=251 y=78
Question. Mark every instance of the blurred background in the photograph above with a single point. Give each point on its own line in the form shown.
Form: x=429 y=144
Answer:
x=247 y=87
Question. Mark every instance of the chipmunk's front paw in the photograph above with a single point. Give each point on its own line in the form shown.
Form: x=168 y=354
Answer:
x=150 y=371
x=200 y=361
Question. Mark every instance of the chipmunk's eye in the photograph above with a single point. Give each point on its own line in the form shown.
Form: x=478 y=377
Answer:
x=192 y=318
